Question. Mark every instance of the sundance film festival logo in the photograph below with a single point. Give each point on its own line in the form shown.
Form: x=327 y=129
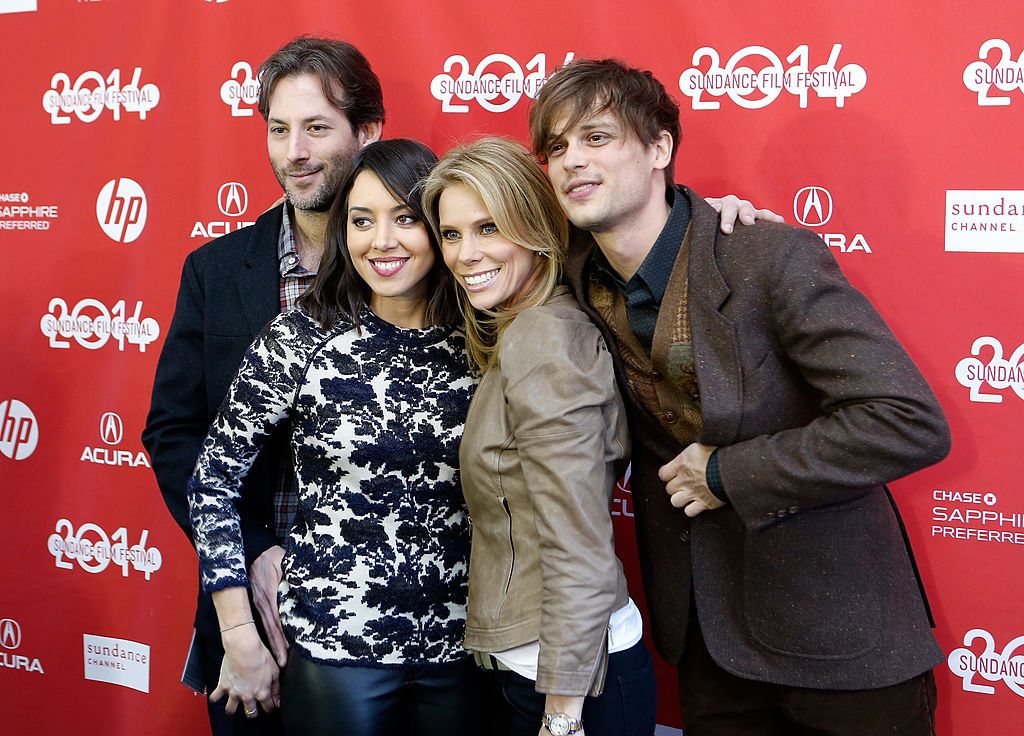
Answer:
x=985 y=220
x=496 y=84
x=116 y=661
x=19 y=430
x=755 y=76
x=10 y=640
x=994 y=72
x=232 y=201
x=813 y=207
x=241 y=91
x=92 y=549
x=92 y=325
x=988 y=380
x=92 y=93
x=121 y=210
x=111 y=434
x=989 y=665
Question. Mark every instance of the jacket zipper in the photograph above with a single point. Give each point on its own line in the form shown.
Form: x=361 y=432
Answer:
x=511 y=543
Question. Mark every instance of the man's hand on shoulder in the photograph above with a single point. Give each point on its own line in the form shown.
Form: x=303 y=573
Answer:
x=685 y=478
x=264 y=579
x=730 y=208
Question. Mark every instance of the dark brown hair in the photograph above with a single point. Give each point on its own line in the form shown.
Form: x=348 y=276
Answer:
x=587 y=87
x=342 y=70
x=338 y=290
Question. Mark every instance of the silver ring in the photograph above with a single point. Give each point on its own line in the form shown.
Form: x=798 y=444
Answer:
x=249 y=713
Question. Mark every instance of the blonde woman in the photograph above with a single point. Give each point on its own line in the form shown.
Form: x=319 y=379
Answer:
x=548 y=608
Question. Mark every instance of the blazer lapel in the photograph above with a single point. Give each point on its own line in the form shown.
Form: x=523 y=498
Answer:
x=714 y=335
x=259 y=279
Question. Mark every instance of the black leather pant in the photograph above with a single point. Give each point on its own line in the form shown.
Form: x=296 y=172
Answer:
x=435 y=700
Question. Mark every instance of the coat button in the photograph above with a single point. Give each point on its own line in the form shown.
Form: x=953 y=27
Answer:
x=656 y=376
x=770 y=515
x=670 y=417
x=794 y=509
x=684 y=536
x=780 y=513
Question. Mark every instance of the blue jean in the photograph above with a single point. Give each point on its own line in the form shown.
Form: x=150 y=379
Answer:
x=625 y=708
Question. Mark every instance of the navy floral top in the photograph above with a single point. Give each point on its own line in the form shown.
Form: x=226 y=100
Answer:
x=375 y=564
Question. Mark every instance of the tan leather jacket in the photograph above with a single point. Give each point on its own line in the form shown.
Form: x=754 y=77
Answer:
x=544 y=435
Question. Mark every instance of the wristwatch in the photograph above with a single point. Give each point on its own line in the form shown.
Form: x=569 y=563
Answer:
x=559 y=724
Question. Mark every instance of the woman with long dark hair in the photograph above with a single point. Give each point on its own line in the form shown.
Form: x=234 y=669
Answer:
x=373 y=377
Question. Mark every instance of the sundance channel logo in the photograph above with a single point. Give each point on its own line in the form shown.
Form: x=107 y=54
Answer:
x=985 y=220
x=116 y=661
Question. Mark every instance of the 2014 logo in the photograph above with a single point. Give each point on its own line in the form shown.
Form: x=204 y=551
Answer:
x=754 y=77
x=1004 y=75
x=91 y=93
x=997 y=373
x=91 y=548
x=496 y=84
x=91 y=324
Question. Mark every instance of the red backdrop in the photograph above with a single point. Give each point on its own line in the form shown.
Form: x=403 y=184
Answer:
x=131 y=138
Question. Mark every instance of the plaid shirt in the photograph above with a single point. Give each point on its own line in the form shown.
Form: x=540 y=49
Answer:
x=294 y=281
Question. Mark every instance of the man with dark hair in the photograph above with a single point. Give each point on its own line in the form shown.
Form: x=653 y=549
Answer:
x=322 y=103
x=769 y=405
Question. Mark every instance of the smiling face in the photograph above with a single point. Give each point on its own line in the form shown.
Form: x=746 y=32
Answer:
x=310 y=142
x=605 y=178
x=389 y=246
x=492 y=269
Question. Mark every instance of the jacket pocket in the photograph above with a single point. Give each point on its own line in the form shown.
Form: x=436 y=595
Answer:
x=811 y=583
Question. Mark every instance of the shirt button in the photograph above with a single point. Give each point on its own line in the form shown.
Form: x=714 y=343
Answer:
x=670 y=417
x=656 y=376
x=684 y=536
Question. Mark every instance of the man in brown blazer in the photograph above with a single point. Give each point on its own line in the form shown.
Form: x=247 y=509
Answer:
x=769 y=405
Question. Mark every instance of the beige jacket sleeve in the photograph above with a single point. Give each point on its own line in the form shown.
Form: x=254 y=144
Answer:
x=565 y=412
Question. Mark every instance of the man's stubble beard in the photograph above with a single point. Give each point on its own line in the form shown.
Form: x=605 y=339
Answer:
x=334 y=171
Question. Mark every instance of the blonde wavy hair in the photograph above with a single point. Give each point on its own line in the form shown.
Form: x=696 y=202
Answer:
x=522 y=202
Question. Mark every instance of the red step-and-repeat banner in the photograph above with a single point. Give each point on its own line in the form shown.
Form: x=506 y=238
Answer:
x=131 y=137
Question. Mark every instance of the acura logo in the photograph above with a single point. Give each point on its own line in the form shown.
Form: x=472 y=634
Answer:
x=812 y=206
x=232 y=199
x=111 y=428
x=10 y=634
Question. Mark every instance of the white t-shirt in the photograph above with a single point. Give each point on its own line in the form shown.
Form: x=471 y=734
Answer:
x=625 y=628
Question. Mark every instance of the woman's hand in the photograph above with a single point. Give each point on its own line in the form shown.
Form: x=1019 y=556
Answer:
x=248 y=674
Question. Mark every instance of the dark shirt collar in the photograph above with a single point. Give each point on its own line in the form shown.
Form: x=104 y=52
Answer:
x=657 y=266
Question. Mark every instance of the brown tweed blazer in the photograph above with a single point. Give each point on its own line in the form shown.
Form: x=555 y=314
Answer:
x=806 y=578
